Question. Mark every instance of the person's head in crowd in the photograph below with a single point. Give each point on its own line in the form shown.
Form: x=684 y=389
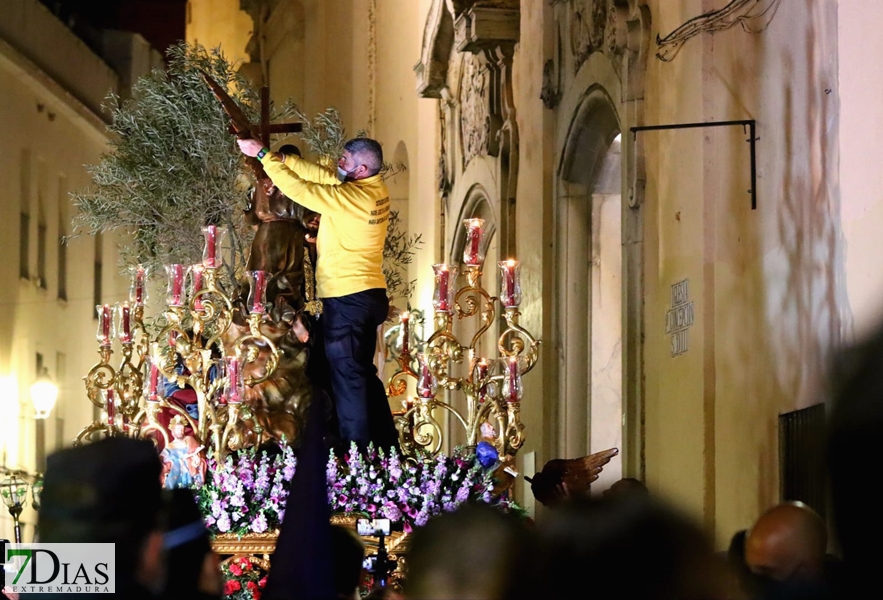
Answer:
x=735 y=557
x=191 y=565
x=629 y=547
x=787 y=544
x=290 y=150
x=348 y=553
x=854 y=451
x=474 y=552
x=109 y=492
x=627 y=486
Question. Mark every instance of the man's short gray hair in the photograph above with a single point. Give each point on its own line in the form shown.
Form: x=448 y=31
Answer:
x=366 y=151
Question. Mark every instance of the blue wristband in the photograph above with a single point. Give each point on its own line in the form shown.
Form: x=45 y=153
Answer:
x=262 y=153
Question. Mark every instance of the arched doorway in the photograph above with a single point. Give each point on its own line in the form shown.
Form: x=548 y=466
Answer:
x=589 y=302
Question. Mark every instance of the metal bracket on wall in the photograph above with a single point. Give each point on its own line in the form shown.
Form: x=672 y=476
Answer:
x=752 y=139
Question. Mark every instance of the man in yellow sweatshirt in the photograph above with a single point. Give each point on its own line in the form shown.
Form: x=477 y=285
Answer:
x=354 y=204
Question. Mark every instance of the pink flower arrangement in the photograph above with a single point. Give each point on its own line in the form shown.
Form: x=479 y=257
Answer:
x=382 y=485
x=247 y=492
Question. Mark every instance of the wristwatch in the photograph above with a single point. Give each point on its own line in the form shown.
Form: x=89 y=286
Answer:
x=262 y=153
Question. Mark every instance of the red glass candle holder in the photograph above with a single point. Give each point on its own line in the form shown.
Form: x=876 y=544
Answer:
x=211 y=251
x=510 y=283
x=234 y=390
x=104 y=335
x=473 y=251
x=257 y=295
x=177 y=273
x=479 y=377
x=153 y=380
x=124 y=320
x=110 y=406
x=196 y=274
x=445 y=278
x=426 y=384
x=138 y=290
x=512 y=385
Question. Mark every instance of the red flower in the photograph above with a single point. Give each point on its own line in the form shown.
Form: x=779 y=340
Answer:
x=230 y=586
x=252 y=586
x=245 y=563
x=262 y=582
x=235 y=569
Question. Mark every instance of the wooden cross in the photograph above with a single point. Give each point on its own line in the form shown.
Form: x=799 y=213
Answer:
x=266 y=128
x=239 y=122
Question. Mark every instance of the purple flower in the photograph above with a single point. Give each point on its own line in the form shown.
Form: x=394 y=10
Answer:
x=224 y=523
x=391 y=512
x=246 y=475
x=259 y=524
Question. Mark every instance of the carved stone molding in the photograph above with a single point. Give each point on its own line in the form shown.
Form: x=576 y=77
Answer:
x=487 y=37
x=598 y=26
x=445 y=170
x=438 y=41
x=478 y=126
x=483 y=28
x=466 y=62
x=588 y=23
x=549 y=93
x=618 y=28
x=274 y=22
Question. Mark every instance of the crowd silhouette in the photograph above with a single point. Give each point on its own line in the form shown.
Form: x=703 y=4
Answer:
x=625 y=543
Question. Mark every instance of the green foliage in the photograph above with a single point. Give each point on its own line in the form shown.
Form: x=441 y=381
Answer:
x=324 y=134
x=172 y=166
x=398 y=252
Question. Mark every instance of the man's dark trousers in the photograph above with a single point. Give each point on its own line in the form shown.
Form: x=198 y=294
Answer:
x=350 y=324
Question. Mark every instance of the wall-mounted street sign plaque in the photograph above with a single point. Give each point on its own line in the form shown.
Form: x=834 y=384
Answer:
x=679 y=318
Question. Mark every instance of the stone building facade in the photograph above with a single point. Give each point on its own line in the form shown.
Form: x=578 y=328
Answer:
x=679 y=320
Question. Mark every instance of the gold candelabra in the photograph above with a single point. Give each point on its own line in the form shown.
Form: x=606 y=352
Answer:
x=188 y=352
x=492 y=387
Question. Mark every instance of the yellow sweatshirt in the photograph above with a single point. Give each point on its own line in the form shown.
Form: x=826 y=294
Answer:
x=353 y=228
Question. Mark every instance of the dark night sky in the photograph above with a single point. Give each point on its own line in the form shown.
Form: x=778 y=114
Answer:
x=161 y=22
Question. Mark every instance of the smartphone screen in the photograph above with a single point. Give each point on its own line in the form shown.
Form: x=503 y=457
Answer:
x=373 y=526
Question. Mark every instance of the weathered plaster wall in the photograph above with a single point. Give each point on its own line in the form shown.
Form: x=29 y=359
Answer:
x=861 y=145
x=766 y=284
x=214 y=22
